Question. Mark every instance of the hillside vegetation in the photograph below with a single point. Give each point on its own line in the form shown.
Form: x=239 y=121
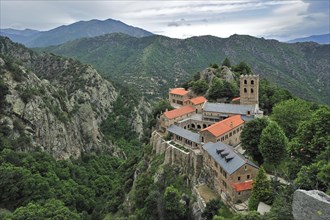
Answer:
x=153 y=64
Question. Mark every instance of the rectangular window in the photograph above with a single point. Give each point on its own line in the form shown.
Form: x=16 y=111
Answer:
x=248 y=177
x=239 y=178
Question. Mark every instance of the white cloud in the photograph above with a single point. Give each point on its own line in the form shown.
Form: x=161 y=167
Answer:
x=177 y=18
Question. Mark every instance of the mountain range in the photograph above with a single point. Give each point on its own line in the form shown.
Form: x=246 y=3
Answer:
x=321 y=39
x=64 y=33
x=155 y=63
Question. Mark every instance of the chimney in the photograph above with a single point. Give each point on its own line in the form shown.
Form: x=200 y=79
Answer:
x=231 y=124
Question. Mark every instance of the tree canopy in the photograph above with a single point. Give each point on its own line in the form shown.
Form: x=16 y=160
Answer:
x=250 y=138
x=273 y=144
x=290 y=113
x=226 y=62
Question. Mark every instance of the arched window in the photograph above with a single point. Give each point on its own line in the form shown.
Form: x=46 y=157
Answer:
x=252 y=90
x=245 y=81
x=245 y=90
x=252 y=82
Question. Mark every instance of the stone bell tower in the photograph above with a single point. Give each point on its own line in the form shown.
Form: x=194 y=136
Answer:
x=249 y=89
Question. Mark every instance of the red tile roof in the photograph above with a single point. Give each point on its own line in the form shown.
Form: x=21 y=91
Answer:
x=236 y=99
x=247 y=185
x=179 y=91
x=224 y=126
x=179 y=112
x=198 y=100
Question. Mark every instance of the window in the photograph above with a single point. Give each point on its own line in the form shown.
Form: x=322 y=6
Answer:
x=239 y=178
x=252 y=82
x=248 y=177
x=245 y=81
x=245 y=168
x=252 y=90
x=245 y=90
x=230 y=134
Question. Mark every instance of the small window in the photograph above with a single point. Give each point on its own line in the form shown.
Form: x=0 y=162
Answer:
x=239 y=178
x=245 y=90
x=248 y=177
x=252 y=82
x=245 y=81
x=245 y=167
x=239 y=193
x=252 y=91
x=248 y=112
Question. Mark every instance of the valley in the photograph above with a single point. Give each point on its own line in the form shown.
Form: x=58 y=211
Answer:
x=301 y=68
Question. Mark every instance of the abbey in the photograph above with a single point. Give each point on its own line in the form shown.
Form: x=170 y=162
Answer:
x=211 y=132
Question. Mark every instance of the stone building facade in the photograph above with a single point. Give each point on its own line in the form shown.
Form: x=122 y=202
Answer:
x=232 y=173
x=227 y=131
x=168 y=118
x=207 y=131
x=249 y=89
x=177 y=96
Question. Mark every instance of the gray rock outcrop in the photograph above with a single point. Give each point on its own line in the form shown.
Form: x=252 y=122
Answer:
x=56 y=104
x=311 y=205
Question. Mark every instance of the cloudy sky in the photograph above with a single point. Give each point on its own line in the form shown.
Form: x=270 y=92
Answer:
x=278 y=19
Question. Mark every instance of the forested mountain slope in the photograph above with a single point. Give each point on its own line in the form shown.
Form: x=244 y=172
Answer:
x=155 y=63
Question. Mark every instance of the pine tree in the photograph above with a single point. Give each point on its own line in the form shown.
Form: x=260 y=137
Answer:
x=226 y=62
x=261 y=190
x=273 y=144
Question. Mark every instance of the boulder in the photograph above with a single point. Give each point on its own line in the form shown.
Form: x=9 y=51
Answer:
x=312 y=205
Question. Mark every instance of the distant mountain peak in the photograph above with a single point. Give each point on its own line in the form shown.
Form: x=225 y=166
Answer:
x=64 y=33
x=321 y=39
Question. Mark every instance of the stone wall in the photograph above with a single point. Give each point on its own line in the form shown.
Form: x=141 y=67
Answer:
x=191 y=162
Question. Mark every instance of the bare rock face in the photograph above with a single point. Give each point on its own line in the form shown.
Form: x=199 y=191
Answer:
x=58 y=104
x=312 y=204
x=227 y=74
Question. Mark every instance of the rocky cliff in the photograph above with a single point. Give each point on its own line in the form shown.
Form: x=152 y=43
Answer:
x=52 y=103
